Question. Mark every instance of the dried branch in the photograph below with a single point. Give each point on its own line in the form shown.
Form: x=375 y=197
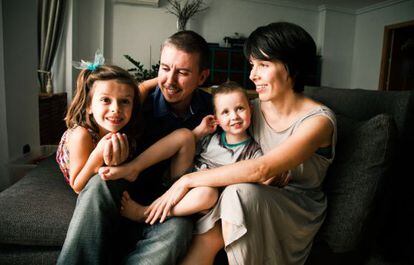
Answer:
x=186 y=11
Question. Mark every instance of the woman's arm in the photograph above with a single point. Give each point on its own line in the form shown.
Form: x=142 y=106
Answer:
x=312 y=134
x=85 y=160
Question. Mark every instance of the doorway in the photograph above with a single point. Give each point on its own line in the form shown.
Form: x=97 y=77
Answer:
x=397 y=65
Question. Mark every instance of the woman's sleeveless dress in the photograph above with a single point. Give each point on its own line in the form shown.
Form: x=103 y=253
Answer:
x=272 y=225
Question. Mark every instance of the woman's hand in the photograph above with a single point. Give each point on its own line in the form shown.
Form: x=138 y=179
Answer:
x=116 y=150
x=161 y=207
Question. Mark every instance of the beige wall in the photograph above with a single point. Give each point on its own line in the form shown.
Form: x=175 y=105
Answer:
x=369 y=34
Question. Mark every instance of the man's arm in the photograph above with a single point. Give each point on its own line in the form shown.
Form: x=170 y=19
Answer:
x=146 y=87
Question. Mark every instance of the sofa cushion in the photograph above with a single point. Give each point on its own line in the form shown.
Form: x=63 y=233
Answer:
x=36 y=211
x=363 y=156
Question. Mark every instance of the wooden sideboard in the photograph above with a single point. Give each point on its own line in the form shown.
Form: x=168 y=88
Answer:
x=52 y=111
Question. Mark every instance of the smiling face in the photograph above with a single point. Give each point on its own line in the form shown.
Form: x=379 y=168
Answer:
x=179 y=75
x=111 y=105
x=271 y=79
x=233 y=114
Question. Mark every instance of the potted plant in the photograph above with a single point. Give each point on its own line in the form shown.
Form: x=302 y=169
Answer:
x=139 y=72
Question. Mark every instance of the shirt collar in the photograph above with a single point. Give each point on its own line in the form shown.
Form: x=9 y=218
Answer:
x=226 y=144
x=162 y=107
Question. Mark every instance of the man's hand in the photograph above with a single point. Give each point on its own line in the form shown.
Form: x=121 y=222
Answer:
x=116 y=150
x=280 y=180
x=207 y=126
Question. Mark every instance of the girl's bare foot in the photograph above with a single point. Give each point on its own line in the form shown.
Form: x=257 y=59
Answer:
x=131 y=209
x=119 y=172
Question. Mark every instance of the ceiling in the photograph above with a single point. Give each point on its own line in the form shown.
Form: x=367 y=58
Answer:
x=345 y=4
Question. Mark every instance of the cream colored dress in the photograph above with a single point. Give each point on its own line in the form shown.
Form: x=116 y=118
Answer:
x=271 y=225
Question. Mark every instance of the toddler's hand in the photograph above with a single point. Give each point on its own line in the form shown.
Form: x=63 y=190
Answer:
x=209 y=123
x=207 y=126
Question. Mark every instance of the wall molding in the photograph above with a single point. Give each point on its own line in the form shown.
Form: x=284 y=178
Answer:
x=286 y=4
x=309 y=7
x=321 y=8
x=337 y=9
x=378 y=6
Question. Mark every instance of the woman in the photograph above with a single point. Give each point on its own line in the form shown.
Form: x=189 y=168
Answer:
x=259 y=224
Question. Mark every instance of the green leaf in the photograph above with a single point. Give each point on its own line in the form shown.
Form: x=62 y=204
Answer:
x=139 y=72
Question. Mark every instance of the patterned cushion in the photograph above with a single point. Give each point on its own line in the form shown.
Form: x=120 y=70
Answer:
x=363 y=156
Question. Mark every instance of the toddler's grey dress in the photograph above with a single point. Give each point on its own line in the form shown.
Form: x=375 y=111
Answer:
x=271 y=225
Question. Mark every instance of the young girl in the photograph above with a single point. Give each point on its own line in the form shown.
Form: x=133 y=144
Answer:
x=104 y=111
x=229 y=145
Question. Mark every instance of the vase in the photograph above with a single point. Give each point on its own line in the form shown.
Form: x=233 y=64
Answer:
x=49 y=85
x=181 y=24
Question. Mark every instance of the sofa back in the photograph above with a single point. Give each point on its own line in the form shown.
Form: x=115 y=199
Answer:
x=363 y=104
x=382 y=203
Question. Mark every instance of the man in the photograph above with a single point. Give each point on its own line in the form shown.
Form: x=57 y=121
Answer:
x=97 y=230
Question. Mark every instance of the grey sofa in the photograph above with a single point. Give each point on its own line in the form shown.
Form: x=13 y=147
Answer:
x=368 y=218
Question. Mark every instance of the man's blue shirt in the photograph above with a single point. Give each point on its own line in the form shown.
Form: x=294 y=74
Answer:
x=158 y=121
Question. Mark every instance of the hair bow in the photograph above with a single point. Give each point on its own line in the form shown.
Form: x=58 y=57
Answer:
x=98 y=61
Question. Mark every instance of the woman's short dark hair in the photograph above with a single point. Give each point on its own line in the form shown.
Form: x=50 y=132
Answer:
x=287 y=43
x=191 y=42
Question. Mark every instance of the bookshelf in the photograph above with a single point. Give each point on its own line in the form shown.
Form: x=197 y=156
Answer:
x=228 y=63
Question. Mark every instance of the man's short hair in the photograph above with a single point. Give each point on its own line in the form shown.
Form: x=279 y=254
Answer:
x=191 y=42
